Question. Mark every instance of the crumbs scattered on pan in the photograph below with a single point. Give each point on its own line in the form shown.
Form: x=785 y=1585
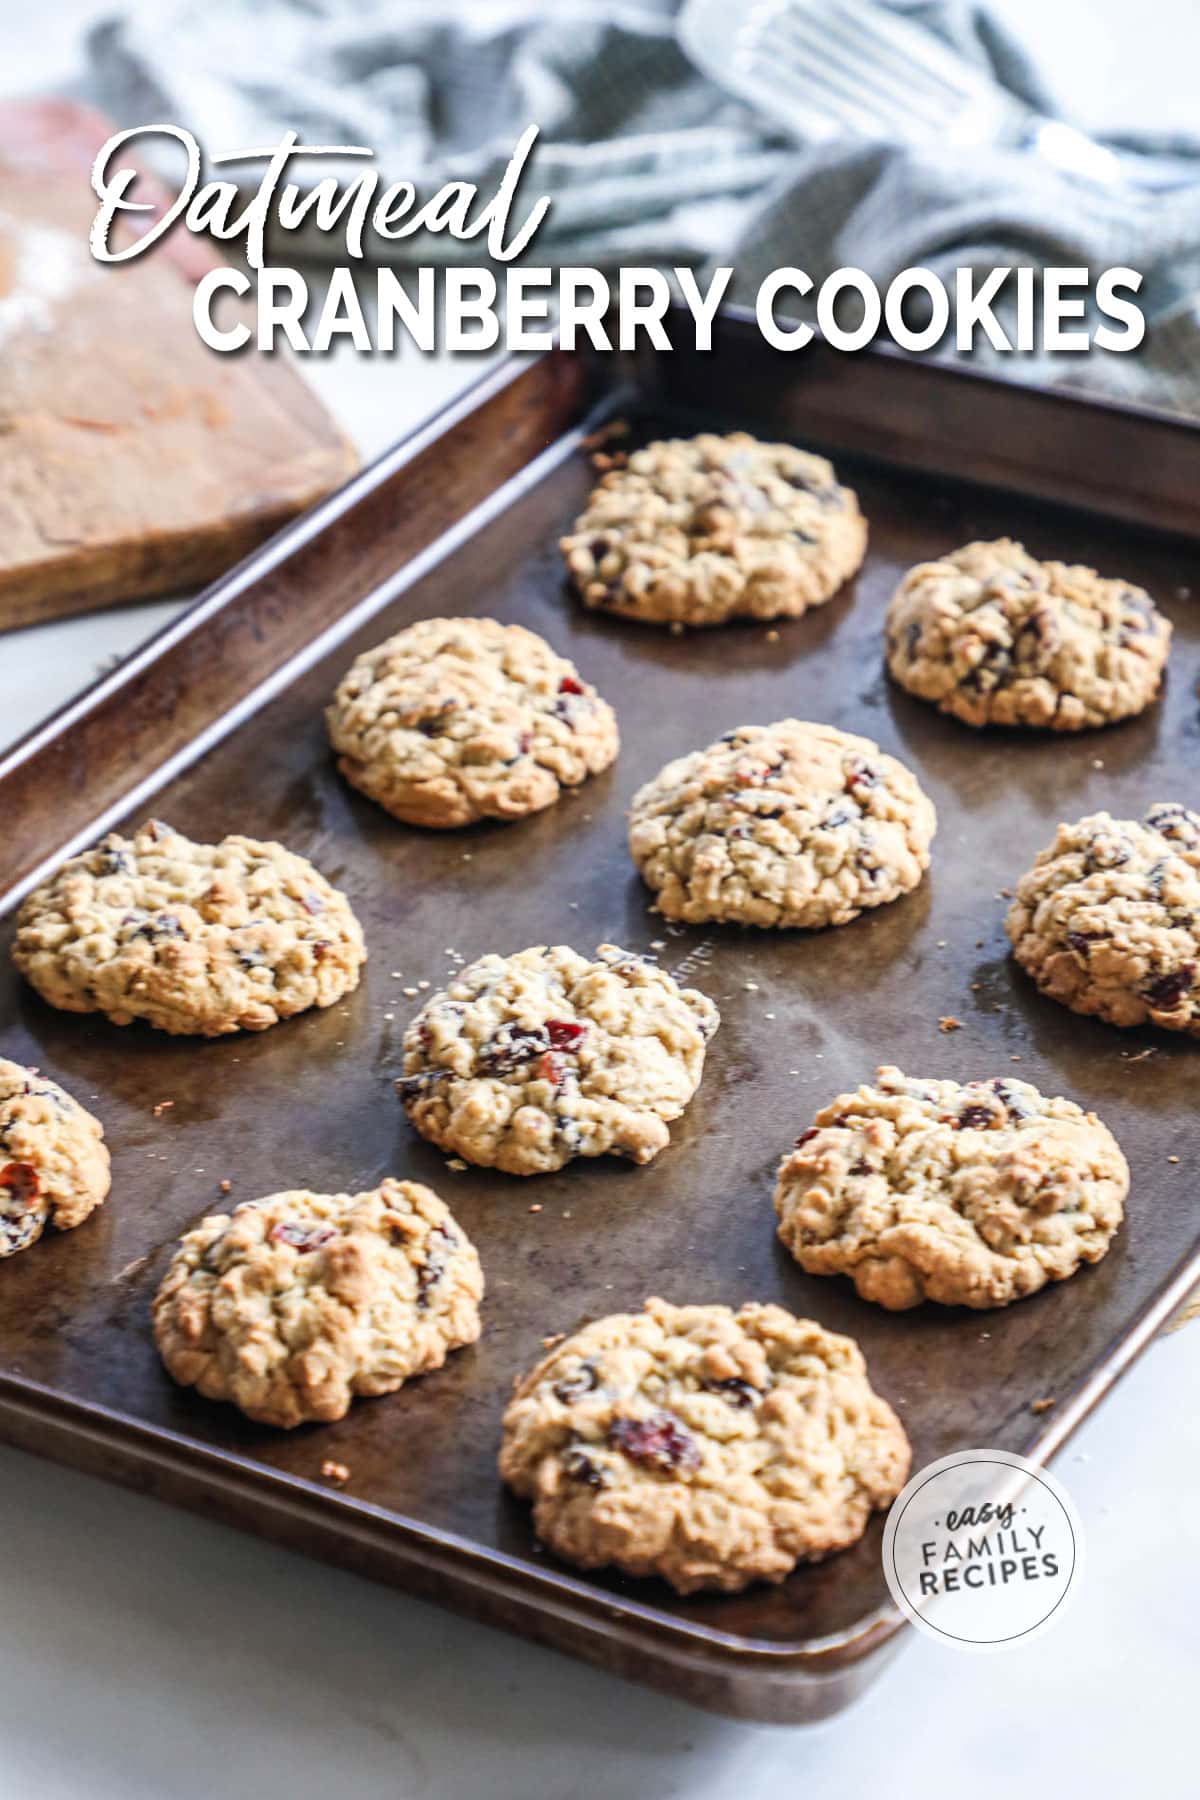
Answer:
x=1043 y=1405
x=336 y=1472
x=162 y=1107
x=950 y=1023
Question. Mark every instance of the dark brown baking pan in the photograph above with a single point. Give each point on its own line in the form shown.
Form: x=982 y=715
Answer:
x=217 y=726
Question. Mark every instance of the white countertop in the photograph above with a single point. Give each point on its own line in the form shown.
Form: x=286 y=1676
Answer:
x=147 y=1653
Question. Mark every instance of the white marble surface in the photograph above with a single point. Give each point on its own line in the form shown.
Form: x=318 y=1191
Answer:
x=145 y=1653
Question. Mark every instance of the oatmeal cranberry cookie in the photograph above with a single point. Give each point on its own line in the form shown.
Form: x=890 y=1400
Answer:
x=711 y=1447
x=995 y=637
x=1108 y=919
x=528 y=1061
x=781 y=825
x=54 y=1167
x=192 y=938
x=696 y=531
x=294 y=1306
x=455 y=720
x=973 y=1196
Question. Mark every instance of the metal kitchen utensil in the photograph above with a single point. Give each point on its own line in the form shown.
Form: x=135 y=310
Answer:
x=848 y=68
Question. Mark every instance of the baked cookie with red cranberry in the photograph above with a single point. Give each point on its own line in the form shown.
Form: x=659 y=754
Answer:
x=525 y=1062
x=971 y=1195
x=1107 y=921
x=456 y=720
x=195 y=939
x=698 y=531
x=781 y=825
x=710 y=1447
x=294 y=1306
x=995 y=637
x=54 y=1166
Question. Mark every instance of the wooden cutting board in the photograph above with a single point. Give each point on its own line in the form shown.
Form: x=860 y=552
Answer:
x=134 y=461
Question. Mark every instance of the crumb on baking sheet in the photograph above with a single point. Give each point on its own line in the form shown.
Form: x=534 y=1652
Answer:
x=950 y=1023
x=1043 y=1405
x=225 y=1186
x=162 y=1107
x=457 y=1164
x=337 y=1472
x=556 y=1337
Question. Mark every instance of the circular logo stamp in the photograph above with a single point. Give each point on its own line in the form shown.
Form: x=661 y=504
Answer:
x=981 y=1550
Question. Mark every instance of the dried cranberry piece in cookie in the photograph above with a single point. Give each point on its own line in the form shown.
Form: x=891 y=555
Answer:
x=861 y=776
x=154 y=928
x=660 y=1441
x=440 y=1239
x=551 y=1067
x=24 y=1209
x=564 y=1034
x=303 y=1238
x=578 y=1466
x=980 y=1118
x=739 y=1393
x=1017 y=1107
x=1176 y=822
x=510 y=1047
x=585 y=1380
x=1166 y=992
x=113 y=859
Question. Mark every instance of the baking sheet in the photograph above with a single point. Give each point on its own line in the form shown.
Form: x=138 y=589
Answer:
x=310 y=1103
